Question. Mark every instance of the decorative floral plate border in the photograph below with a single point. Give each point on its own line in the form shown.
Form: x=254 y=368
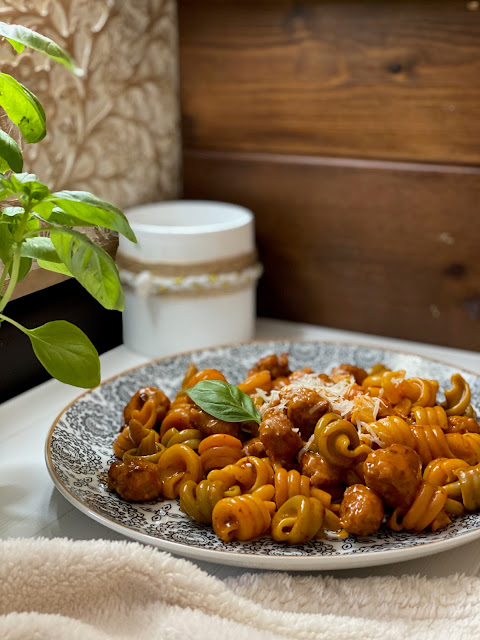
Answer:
x=79 y=453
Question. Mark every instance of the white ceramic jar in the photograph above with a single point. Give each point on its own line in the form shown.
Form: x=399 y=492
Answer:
x=190 y=280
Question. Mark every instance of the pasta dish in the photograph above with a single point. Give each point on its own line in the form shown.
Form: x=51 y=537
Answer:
x=300 y=454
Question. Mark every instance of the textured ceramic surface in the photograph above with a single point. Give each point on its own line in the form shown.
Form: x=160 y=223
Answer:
x=79 y=453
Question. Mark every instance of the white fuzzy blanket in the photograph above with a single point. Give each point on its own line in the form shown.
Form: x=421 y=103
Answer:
x=98 y=590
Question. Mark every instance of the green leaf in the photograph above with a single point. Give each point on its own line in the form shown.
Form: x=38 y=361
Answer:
x=57 y=267
x=39 y=249
x=19 y=37
x=16 y=45
x=90 y=210
x=66 y=353
x=30 y=185
x=13 y=212
x=23 y=108
x=25 y=266
x=6 y=187
x=10 y=154
x=90 y=265
x=57 y=216
x=224 y=401
x=6 y=243
x=10 y=218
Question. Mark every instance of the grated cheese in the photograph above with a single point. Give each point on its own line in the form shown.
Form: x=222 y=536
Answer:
x=332 y=392
x=370 y=436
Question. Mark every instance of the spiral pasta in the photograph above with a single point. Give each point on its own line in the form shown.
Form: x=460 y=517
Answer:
x=423 y=512
x=249 y=473
x=457 y=399
x=219 y=450
x=181 y=415
x=258 y=380
x=467 y=487
x=148 y=405
x=149 y=449
x=338 y=454
x=288 y=484
x=298 y=520
x=190 y=437
x=205 y=374
x=242 y=517
x=430 y=417
x=431 y=443
x=176 y=465
x=442 y=470
x=198 y=500
x=130 y=437
x=391 y=383
x=338 y=441
x=391 y=430
x=465 y=446
x=420 y=391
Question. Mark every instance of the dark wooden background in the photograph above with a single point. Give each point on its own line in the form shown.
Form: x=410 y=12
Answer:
x=352 y=130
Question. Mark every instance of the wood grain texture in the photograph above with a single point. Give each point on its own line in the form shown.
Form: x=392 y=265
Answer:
x=376 y=247
x=368 y=79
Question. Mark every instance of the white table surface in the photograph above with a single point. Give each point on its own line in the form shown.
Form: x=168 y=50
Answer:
x=30 y=506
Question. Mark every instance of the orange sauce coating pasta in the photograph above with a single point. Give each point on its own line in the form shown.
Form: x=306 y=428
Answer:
x=382 y=449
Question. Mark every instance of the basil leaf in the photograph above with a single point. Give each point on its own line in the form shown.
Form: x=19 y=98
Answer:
x=40 y=249
x=20 y=37
x=90 y=265
x=58 y=216
x=224 y=401
x=10 y=154
x=57 y=267
x=29 y=185
x=6 y=243
x=24 y=268
x=66 y=353
x=13 y=212
x=23 y=108
x=16 y=45
x=6 y=187
x=89 y=209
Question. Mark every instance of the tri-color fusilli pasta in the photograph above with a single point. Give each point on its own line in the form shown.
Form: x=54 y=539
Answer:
x=340 y=453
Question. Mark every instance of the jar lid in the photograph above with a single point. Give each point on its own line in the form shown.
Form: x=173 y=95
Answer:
x=188 y=231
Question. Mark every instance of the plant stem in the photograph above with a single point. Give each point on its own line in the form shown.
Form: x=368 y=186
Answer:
x=16 y=259
x=13 y=278
x=6 y=267
x=15 y=324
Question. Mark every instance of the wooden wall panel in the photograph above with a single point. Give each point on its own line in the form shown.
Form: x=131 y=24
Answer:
x=359 y=78
x=384 y=248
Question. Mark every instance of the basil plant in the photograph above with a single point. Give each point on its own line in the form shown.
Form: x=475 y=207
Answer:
x=28 y=207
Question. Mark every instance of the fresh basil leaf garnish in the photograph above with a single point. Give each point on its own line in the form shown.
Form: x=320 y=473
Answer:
x=224 y=401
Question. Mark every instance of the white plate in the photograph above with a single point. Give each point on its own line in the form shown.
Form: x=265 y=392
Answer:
x=79 y=453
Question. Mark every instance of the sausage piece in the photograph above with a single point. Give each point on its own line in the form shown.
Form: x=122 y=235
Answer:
x=278 y=436
x=394 y=474
x=349 y=369
x=136 y=480
x=305 y=407
x=137 y=401
x=361 y=511
x=209 y=425
x=277 y=365
x=322 y=474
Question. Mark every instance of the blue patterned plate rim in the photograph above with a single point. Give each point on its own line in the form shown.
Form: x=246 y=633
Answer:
x=78 y=453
